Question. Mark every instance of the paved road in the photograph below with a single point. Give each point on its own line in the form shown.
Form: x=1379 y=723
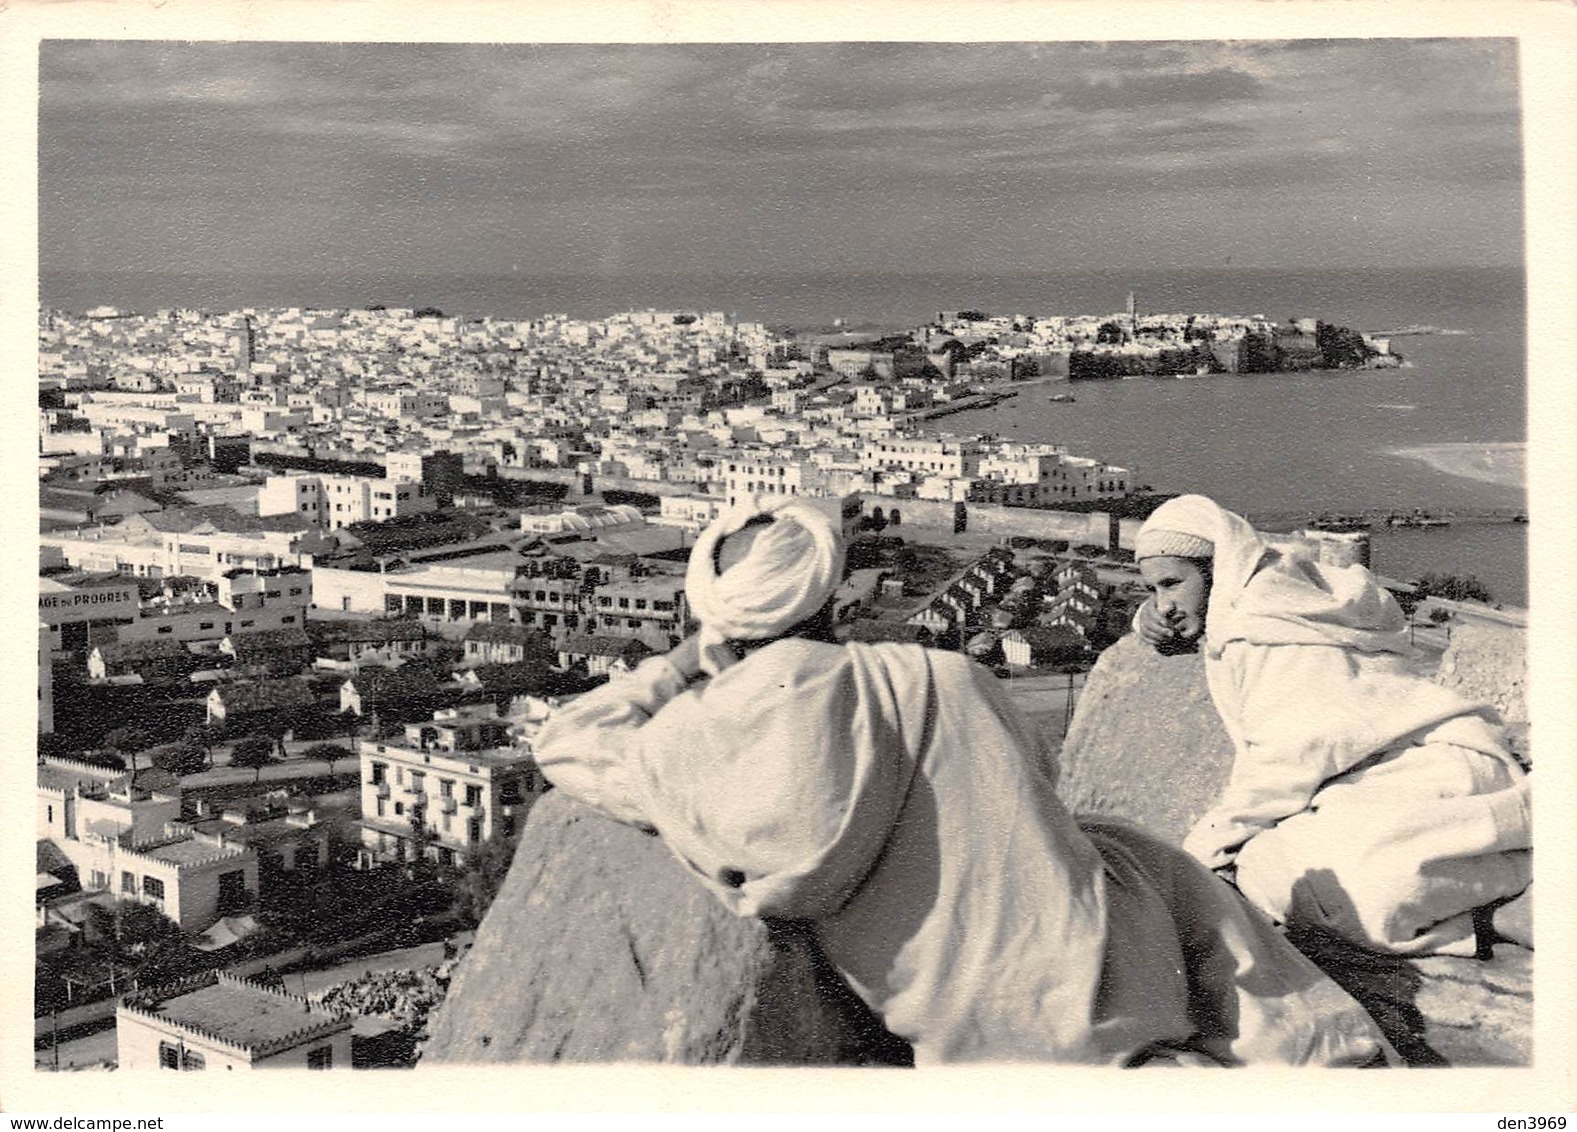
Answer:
x=224 y=774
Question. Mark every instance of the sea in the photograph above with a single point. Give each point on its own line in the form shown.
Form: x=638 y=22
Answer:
x=1263 y=444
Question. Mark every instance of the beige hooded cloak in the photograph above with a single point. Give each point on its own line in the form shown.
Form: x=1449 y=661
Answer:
x=1363 y=799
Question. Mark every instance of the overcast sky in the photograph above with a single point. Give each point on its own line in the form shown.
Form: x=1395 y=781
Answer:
x=280 y=157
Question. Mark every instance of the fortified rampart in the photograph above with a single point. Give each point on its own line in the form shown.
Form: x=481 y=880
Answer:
x=1076 y=527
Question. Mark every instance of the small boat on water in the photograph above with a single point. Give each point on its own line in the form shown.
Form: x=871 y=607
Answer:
x=1336 y=521
x=1061 y=398
x=1415 y=518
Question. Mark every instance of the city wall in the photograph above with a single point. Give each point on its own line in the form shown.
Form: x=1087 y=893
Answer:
x=990 y=518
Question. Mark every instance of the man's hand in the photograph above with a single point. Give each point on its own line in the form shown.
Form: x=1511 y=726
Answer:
x=686 y=656
x=1160 y=632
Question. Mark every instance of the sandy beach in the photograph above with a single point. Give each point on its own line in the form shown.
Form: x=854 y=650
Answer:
x=1502 y=463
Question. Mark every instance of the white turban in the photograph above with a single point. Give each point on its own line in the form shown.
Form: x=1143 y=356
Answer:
x=792 y=568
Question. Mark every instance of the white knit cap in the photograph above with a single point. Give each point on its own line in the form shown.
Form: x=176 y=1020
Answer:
x=1184 y=527
x=1159 y=543
x=794 y=565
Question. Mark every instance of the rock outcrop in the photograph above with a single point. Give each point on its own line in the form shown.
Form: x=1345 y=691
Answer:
x=1145 y=742
x=1487 y=660
x=1146 y=745
x=600 y=947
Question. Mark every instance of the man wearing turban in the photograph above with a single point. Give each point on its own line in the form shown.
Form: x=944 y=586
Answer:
x=890 y=795
x=1363 y=799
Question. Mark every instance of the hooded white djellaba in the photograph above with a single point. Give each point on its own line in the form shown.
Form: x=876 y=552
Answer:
x=1363 y=799
x=892 y=796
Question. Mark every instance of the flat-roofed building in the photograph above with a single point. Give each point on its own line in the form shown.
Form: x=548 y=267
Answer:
x=453 y=784
x=922 y=455
x=689 y=510
x=74 y=608
x=122 y=834
x=193 y=880
x=246 y=601
x=283 y=831
x=76 y=797
x=758 y=472
x=336 y=501
x=220 y=1021
x=652 y=609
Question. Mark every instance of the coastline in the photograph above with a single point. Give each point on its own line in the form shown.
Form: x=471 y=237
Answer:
x=1499 y=462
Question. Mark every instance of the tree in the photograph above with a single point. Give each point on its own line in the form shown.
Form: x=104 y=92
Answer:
x=1109 y=334
x=129 y=742
x=330 y=753
x=428 y=312
x=254 y=753
x=185 y=757
x=286 y=721
x=421 y=839
x=130 y=927
x=53 y=744
x=481 y=877
x=205 y=735
x=1454 y=587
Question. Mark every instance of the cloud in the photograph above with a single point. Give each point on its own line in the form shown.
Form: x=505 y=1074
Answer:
x=1182 y=88
x=752 y=143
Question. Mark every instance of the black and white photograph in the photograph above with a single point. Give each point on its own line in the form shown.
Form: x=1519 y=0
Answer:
x=894 y=547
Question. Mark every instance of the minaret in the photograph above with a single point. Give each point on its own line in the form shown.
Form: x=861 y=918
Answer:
x=246 y=347
x=1133 y=320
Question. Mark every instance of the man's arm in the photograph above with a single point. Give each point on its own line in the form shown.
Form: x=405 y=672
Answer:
x=587 y=746
x=1301 y=721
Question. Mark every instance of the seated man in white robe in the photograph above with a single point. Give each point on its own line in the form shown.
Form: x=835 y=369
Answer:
x=1363 y=800
x=891 y=796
